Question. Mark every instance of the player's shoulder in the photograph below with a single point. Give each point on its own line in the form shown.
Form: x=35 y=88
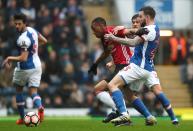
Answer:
x=152 y=28
x=153 y=31
x=31 y=30
x=23 y=36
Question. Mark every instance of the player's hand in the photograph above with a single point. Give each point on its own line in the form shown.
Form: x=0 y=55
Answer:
x=109 y=37
x=142 y=31
x=117 y=29
x=6 y=64
x=93 y=69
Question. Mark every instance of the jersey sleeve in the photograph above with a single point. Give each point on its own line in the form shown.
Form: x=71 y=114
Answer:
x=24 y=43
x=150 y=36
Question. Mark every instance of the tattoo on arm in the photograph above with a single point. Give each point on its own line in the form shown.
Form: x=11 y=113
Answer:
x=128 y=41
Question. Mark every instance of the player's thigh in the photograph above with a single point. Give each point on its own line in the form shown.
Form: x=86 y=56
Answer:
x=101 y=86
x=19 y=77
x=116 y=82
x=34 y=77
x=152 y=80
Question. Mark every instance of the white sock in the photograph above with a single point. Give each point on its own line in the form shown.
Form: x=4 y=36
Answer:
x=106 y=99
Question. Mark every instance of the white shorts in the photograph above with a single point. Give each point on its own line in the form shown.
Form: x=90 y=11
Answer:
x=30 y=78
x=134 y=73
x=137 y=85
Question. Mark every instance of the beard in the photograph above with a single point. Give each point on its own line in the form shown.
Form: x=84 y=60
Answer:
x=19 y=31
x=143 y=24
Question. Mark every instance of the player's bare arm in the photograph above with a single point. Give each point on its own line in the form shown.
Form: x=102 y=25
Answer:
x=22 y=57
x=130 y=31
x=126 y=31
x=104 y=55
x=42 y=39
x=124 y=41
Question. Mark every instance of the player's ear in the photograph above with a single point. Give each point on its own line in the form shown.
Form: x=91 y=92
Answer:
x=148 y=17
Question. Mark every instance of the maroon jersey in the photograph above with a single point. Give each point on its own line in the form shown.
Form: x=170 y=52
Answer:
x=121 y=54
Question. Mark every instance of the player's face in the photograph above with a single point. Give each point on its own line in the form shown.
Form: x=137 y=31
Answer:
x=142 y=18
x=98 y=30
x=136 y=23
x=19 y=25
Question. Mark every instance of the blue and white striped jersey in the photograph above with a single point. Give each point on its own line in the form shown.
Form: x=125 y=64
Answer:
x=144 y=52
x=28 y=41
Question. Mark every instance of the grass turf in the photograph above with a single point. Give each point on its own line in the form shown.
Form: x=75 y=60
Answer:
x=92 y=124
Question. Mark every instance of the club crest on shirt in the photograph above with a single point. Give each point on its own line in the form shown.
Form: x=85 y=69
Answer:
x=23 y=44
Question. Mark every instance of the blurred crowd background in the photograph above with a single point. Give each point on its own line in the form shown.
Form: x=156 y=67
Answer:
x=68 y=55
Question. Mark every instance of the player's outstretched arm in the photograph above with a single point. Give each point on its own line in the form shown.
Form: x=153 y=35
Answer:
x=125 y=31
x=124 y=41
x=42 y=39
x=130 y=31
x=22 y=57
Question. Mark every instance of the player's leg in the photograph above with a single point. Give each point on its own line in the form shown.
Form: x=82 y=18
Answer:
x=19 y=80
x=117 y=95
x=20 y=104
x=37 y=102
x=35 y=97
x=100 y=88
x=114 y=84
x=165 y=102
x=138 y=104
x=124 y=77
x=103 y=95
x=33 y=83
x=154 y=84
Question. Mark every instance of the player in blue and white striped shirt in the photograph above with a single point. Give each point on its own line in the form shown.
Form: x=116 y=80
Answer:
x=28 y=70
x=141 y=66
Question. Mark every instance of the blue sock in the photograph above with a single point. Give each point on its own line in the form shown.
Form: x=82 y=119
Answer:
x=140 y=107
x=166 y=104
x=119 y=101
x=36 y=100
x=20 y=104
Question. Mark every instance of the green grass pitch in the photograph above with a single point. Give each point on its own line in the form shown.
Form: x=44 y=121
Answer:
x=92 y=124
